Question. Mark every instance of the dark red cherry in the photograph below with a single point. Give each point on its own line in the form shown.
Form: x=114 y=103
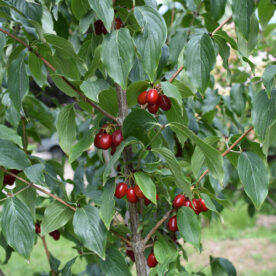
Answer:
x=203 y=205
x=131 y=196
x=118 y=23
x=152 y=262
x=97 y=139
x=138 y=192
x=172 y=224
x=179 y=201
x=37 y=228
x=152 y=96
x=55 y=234
x=105 y=142
x=153 y=108
x=9 y=179
x=142 y=98
x=197 y=206
x=164 y=102
x=98 y=25
x=121 y=190
x=117 y=138
x=130 y=254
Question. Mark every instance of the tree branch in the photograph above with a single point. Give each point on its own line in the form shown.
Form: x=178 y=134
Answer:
x=121 y=237
x=221 y=25
x=53 y=273
x=51 y=67
x=228 y=150
x=157 y=225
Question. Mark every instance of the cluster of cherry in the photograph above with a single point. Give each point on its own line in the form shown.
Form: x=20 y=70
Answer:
x=154 y=100
x=100 y=28
x=104 y=140
x=55 y=234
x=133 y=194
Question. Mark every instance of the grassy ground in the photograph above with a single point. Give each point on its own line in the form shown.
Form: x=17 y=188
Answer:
x=249 y=245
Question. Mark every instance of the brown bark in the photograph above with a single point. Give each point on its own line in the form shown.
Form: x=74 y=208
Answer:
x=137 y=241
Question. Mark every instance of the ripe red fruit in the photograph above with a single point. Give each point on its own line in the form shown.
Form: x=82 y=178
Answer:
x=179 y=201
x=153 y=108
x=9 y=179
x=130 y=254
x=152 y=96
x=55 y=234
x=97 y=139
x=164 y=102
x=172 y=224
x=152 y=262
x=203 y=205
x=138 y=192
x=118 y=23
x=105 y=141
x=142 y=98
x=37 y=228
x=98 y=25
x=121 y=190
x=131 y=196
x=188 y=203
x=197 y=206
x=117 y=138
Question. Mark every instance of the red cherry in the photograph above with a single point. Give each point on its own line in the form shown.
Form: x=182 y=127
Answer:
x=9 y=179
x=203 y=205
x=37 y=228
x=104 y=31
x=106 y=141
x=97 y=139
x=179 y=201
x=121 y=190
x=188 y=203
x=130 y=254
x=98 y=25
x=142 y=98
x=55 y=234
x=117 y=137
x=152 y=262
x=164 y=102
x=131 y=196
x=197 y=206
x=118 y=23
x=147 y=201
x=152 y=96
x=153 y=108
x=172 y=224
x=138 y=192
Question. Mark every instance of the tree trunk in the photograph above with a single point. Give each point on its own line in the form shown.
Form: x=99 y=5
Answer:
x=137 y=241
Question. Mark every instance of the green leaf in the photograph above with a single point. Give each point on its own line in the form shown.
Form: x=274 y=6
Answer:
x=108 y=203
x=146 y=185
x=79 y=8
x=176 y=170
x=83 y=144
x=171 y=91
x=108 y=101
x=89 y=227
x=266 y=11
x=214 y=160
x=10 y=134
x=254 y=177
x=29 y=10
x=37 y=69
x=115 y=263
x=137 y=124
x=63 y=86
x=263 y=112
x=134 y=90
x=67 y=270
x=189 y=226
x=150 y=40
x=208 y=202
x=66 y=128
x=92 y=89
x=117 y=155
x=200 y=60
x=18 y=227
x=164 y=249
x=217 y=8
x=35 y=174
x=242 y=11
x=198 y=159
x=237 y=98
x=104 y=11
x=56 y=215
x=118 y=55
x=18 y=81
x=221 y=266
x=12 y=157
x=269 y=78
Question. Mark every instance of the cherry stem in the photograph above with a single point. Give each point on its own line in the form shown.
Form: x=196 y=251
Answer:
x=53 y=273
x=157 y=225
x=51 y=67
x=122 y=238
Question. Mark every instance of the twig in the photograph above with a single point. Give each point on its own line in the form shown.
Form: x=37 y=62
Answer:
x=176 y=74
x=157 y=225
x=53 y=273
x=23 y=189
x=173 y=14
x=273 y=203
x=121 y=237
x=228 y=150
x=221 y=25
x=25 y=141
x=38 y=188
x=50 y=66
